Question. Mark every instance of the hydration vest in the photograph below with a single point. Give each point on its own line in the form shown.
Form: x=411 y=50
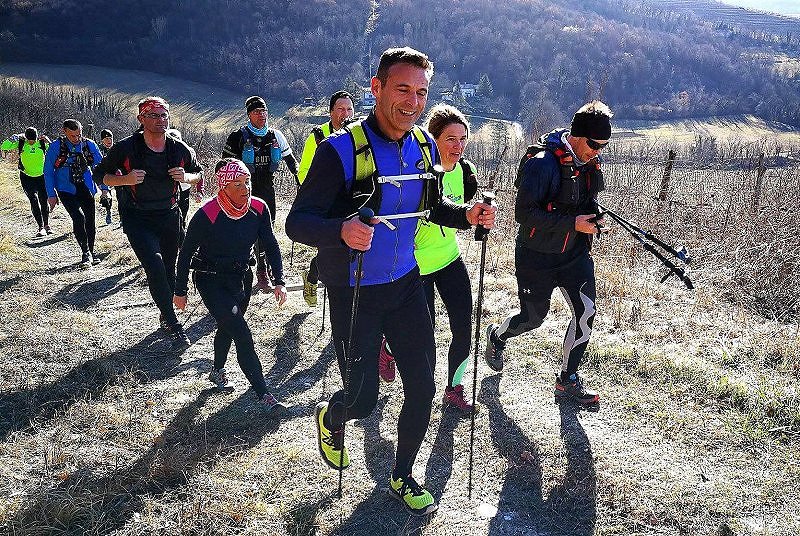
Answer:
x=268 y=155
x=87 y=162
x=365 y=190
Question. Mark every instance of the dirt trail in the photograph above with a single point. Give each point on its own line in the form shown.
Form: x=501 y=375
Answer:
x=102 y=428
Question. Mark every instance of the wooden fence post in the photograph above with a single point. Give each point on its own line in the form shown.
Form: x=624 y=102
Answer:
x=760 y=170
x=662 y=194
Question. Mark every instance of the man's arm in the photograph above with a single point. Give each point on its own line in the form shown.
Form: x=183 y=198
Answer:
x=232 y=148
x=286 y=153
x=308 y=221
x=50 y=170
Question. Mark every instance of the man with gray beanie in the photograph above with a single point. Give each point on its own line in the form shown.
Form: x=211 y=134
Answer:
x=556 y=207
x=261 y=148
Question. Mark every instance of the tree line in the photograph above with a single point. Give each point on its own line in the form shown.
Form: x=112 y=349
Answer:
x=542 y=60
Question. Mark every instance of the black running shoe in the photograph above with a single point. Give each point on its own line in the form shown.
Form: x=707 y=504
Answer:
x=494 y=349
x=574 y=389
x=179 y=339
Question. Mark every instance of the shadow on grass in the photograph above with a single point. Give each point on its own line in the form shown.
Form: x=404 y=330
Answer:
x=48 y=241
x=30 y=407
x=102 y=504
x=570 y=508
x=440 y=463
x=85 y=294
x=7 y=284
x=301 y=520
x=287 y=350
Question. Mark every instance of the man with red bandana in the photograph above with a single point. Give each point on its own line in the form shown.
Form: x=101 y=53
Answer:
x=146 y=168
x=218 y=246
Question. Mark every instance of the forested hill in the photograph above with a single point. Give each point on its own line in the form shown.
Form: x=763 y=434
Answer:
x=541 y=59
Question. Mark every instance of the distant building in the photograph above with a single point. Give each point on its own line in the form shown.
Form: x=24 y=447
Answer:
x=468 y=90
x=367 y=98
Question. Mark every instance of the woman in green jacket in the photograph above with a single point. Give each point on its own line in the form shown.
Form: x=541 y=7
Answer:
x=438 y=256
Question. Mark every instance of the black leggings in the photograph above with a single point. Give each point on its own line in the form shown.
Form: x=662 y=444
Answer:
x=154 y=237
x=227 y=298
x=183 y=204
x=80 y=207
x=399 y=311
x=453 y=285
x=313 y=271
x=265 y=189
x=577 y=284
x=37 y=196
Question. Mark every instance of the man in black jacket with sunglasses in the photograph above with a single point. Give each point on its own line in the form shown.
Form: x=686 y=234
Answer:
x=556 y=207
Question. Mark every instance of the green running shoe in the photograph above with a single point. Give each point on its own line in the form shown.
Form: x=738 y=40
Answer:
x=417 y=500
x=330 y=443
x=309 y=290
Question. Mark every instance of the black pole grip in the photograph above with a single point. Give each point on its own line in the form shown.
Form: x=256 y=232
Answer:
x=365 y=215
x=482 y=232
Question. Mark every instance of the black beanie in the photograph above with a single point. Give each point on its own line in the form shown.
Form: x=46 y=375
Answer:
x=591 y=125
x=105 y=133
x=31 y=133
x=254 y=103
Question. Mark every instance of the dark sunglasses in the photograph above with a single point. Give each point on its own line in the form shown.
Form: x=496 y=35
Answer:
x=594 y=145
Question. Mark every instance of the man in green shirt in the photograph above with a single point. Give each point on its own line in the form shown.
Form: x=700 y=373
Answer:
x=341 y=109
x=31 y=150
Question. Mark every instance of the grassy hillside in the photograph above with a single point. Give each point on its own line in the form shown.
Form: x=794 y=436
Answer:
x=218 y=109
x=541 y=61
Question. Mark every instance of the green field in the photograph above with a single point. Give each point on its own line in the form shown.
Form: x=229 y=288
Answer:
x=219 y=110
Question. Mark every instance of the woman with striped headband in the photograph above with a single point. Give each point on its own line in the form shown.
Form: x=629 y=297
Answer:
x=219 y=247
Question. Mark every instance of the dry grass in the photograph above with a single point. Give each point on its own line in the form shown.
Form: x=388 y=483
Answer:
x=102 y=429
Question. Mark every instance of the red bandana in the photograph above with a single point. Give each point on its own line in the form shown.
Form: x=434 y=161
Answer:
x=228 y=173
x=152 y=102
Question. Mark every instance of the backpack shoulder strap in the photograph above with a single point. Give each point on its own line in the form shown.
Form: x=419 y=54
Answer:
x=20 y=144
x=319 y=135
x=364 y=158
x=63 y=152
x=43 y=145
x=468 y=175
x=424 y=145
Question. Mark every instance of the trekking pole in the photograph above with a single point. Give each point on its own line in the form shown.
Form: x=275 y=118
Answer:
x=365 y=215
x=291 y=256
x=481 y=234
x=324 y=299
x=649 y=242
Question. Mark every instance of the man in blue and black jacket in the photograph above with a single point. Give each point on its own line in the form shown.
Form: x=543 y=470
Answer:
x=68 y=167
x=556 y=209
x=397 y=156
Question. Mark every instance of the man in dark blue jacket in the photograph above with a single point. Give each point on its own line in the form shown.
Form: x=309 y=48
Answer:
x=556 y=209
x=392 y=301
